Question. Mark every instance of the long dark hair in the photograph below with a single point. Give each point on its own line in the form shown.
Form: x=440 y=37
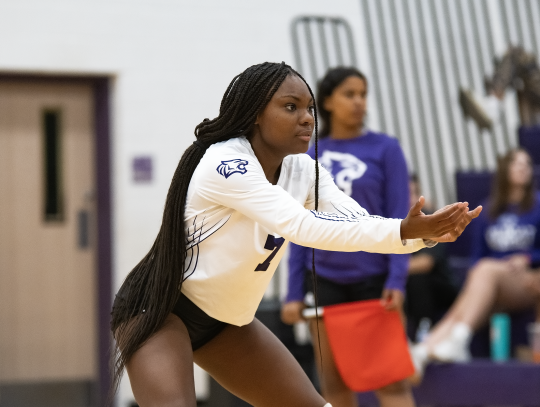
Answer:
x=151 y=289
x=500 y=191
x=333 y=78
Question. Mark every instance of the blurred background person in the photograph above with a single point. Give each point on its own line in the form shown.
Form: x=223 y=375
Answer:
x=505 y=276
x=370 y=167
x=430 y=287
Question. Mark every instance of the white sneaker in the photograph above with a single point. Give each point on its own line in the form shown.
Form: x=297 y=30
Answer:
x=451 y=350
x=420 y=359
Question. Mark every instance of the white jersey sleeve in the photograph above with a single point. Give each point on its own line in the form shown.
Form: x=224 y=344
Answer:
x=239 y=183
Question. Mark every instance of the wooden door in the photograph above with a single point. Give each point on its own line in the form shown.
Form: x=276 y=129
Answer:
x=48 y=328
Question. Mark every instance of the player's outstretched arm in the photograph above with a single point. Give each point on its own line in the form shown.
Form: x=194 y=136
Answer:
x=445 y=225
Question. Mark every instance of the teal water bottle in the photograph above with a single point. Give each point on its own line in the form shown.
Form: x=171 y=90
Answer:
x=500 y=337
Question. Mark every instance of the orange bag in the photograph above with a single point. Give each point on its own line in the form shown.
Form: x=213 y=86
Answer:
x=368 y=343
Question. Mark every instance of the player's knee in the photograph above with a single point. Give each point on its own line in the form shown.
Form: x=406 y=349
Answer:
x=166 y=393
x=400 y=387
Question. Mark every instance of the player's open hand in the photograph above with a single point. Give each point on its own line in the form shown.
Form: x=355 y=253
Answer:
x=445 y=225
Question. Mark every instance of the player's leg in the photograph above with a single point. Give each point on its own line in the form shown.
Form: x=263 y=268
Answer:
x=253 y=364
x=333 y=387
x=161 y=371
x=397 y=394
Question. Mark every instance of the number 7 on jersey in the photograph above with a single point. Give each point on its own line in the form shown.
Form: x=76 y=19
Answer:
x=274 y=244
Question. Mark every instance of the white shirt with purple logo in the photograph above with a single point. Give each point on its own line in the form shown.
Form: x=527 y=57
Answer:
x=238 y=225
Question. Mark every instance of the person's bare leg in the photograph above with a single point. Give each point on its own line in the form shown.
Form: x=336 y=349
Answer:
x=535 y=288
x=333 y=387
x=474 y=303
x=443 y=327
x=491 y=285
x=161 y=371
x=397 y=394
x=514 y=291
x=253 y=364
x=480 y=292
x=496 y=287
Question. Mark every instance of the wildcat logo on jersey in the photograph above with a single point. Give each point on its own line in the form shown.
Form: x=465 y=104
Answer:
x=344 y=167
x=229 y=167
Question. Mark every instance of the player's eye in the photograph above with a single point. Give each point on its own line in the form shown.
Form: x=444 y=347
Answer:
x=291 y=107
x=311 y=109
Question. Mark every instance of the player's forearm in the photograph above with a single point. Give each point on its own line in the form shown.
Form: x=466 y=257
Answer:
x=347 y=234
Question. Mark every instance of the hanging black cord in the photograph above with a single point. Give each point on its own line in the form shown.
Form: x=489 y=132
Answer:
x=313 y=273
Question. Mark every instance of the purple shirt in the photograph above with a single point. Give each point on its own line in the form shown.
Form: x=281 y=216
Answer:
x=372 y=170
x=510 y=233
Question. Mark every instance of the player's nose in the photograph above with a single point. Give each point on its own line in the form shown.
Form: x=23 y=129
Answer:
x=307 y=118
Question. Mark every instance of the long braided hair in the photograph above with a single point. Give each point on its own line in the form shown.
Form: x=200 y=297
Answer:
x=152 y=288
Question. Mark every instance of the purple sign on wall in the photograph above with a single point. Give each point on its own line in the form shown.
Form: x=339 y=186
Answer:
x=142 y=169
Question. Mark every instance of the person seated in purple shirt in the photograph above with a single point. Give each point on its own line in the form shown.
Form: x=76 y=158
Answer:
x=370 y=167
x=431 y=289
x=505 y=275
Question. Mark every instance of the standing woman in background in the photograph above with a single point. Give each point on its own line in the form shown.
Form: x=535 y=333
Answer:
x=370 y=168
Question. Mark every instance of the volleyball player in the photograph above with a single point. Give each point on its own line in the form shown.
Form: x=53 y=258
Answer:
x=239 y=194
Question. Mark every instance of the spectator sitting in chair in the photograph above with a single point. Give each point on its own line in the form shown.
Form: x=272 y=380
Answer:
x=505 y=275
x=430 y=288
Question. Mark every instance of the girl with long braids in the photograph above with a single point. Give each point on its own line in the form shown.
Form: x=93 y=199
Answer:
x=239 y=194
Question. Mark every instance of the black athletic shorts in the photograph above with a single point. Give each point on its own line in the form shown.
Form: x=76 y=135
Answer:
x=200 y=326
x=331 y=293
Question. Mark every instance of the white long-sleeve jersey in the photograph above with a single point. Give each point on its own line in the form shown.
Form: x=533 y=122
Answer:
x=238 y=225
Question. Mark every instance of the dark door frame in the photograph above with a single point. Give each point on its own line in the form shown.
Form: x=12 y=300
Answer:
x=101 y=85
